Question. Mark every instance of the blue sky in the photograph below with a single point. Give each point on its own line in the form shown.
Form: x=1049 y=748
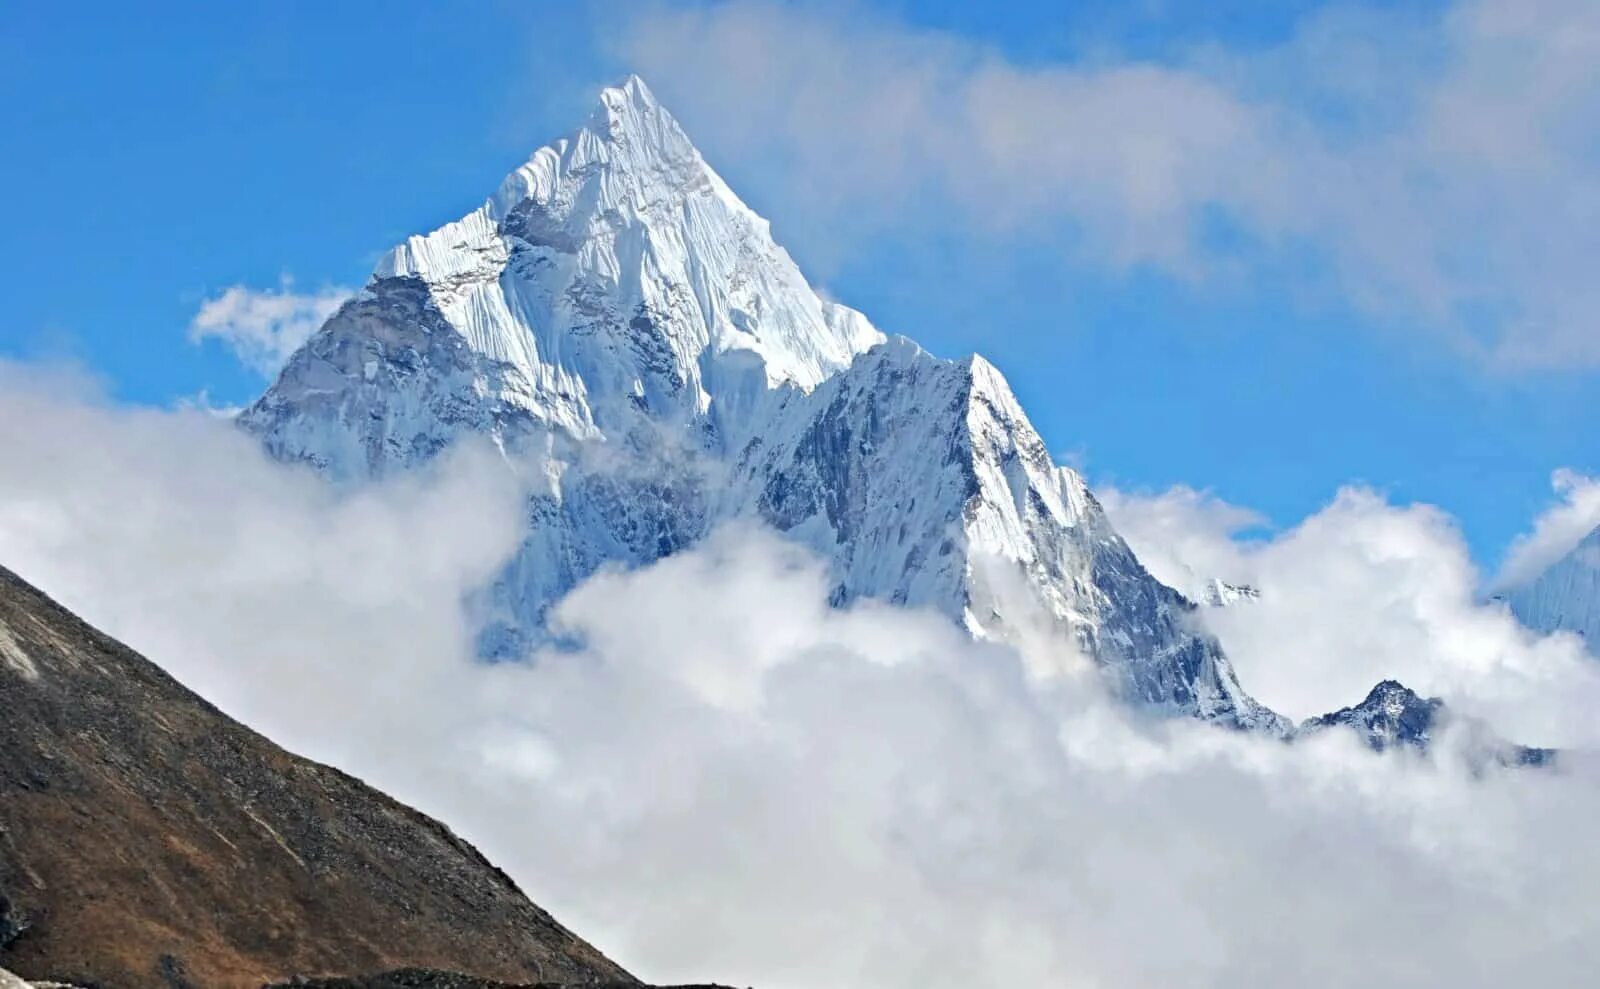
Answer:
x=1257 y=328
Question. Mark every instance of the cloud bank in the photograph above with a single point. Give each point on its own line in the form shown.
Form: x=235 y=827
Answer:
x=726 y=779
x=1441 y=168
x=264 y=326
x=1556 y=532
x=1360 y=592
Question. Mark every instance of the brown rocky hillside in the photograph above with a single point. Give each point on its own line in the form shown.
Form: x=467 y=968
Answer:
x=148 y=840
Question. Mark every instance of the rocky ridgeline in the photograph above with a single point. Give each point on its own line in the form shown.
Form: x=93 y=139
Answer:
x=147 y=840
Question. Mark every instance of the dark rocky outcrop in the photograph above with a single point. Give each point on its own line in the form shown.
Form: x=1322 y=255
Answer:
x=148 y=840
x=1394 y=716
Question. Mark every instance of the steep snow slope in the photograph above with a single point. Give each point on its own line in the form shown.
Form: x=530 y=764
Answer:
x=614 y=277
x=629 y=334
x=1566 y=596
x=924 y=482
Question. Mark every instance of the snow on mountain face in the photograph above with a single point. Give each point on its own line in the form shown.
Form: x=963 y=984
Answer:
x=1221 y=594
x=617 y=318
x=612 y=276
x=1393 y=715
x=1566 y=596
x=925 y=483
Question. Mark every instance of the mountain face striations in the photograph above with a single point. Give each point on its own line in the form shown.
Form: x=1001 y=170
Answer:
x=147 y=840
x=1565 y=597
x=627 y=332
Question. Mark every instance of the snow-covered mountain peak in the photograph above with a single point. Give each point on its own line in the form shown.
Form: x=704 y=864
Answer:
x=630 y=96
x=1394 y=716
x=615 y=312
x=643 y=163
x=1391 y=714
x=629 y=114
x=1219 y=593
x=988 y=384
x=612 y=278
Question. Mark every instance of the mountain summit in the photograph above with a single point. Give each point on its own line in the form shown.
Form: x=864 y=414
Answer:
x=1393 y=716
x=613 y=278
x=625 y=329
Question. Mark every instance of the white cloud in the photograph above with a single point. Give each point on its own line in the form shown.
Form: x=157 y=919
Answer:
x=1556 y=532
x=172 y=529
x=730 y=780
x=264 y=326
x=1185 y=538
x=1443 y=169
x=1360 y=592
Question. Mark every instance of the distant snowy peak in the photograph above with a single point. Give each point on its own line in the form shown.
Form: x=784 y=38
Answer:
x=1394 y=716
x=1221 y=594
x=1391 y=715
x=1566 y=596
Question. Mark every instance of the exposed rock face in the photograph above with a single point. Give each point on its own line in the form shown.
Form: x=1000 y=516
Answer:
x=627 y=331
x=148 y=840
x=1393 y=715
x=925 y=484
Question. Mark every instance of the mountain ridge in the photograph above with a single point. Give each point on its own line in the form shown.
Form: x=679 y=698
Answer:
x=147 y=840
x=625 y=330
x=615 y=294
x=1393 y=716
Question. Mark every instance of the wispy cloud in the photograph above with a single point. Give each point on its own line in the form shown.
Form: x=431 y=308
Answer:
x=263 y=327
x=1556 y=531
x=1442 y=169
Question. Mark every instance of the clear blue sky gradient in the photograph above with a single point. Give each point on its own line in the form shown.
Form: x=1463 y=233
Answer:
x=155 y=157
